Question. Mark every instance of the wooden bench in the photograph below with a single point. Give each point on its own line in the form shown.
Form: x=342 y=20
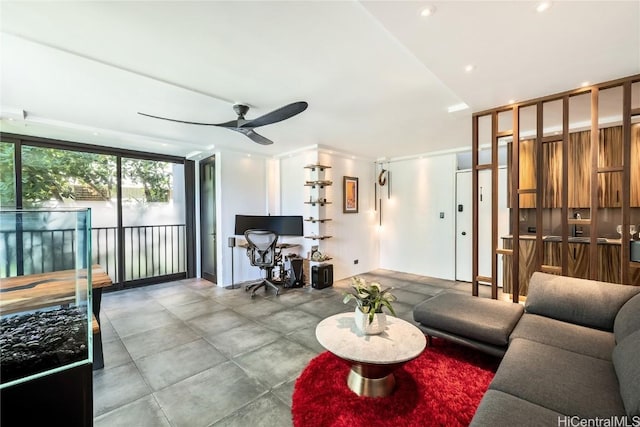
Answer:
x=34 y=291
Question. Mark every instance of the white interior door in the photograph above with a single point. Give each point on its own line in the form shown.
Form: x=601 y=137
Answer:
x=464 y=225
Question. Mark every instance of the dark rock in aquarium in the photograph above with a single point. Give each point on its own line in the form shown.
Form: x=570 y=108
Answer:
x=40 y=341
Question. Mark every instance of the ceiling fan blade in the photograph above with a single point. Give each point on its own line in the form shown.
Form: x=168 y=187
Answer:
x=231 y=124
x=278 y=115
x=255 y=137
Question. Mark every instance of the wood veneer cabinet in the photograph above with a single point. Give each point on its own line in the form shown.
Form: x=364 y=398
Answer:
x=610 y=156
x=579 y=153
x=578 y=262
x=526 y=264
x=635 y=166
x=610 y=152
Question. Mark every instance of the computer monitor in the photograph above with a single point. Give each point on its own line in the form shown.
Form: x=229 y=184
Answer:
x=282 y=225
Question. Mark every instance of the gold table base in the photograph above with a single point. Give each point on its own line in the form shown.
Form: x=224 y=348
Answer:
x=372 y=380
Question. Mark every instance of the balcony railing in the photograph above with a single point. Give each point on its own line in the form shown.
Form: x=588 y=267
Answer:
x=149 y=251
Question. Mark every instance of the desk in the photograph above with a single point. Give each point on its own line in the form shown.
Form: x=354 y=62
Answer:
x=279 y=246
x=279 y=264
x=40 y=290
x=34 y=291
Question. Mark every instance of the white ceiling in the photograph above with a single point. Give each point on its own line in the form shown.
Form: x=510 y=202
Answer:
x=378 y=77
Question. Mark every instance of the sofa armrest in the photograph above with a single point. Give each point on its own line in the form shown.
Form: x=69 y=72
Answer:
x=579 y=301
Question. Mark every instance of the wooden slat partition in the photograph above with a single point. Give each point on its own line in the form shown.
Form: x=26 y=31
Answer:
x=553 y=269
x=474 y=196
x=564 y=255
x=593 y=246
x=610 y=169
x=552 y=138
x=619 y=179
x=625 y=255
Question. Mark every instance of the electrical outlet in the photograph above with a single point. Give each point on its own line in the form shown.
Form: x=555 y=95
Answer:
x=355 y=261
x=441 y=215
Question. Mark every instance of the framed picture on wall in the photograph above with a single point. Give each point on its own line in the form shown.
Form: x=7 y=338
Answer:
x=350 y=194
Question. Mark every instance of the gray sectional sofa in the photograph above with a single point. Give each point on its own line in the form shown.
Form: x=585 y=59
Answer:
x=572 y=356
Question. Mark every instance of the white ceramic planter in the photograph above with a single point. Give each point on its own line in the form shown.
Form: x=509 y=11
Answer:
x=376 y=327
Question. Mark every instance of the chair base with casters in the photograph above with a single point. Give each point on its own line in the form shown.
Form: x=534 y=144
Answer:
x=262 y=283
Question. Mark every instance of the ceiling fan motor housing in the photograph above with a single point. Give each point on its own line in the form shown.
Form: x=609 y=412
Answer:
x=241 y=110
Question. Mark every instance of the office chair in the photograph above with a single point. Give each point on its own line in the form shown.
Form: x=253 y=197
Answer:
x=262 y=253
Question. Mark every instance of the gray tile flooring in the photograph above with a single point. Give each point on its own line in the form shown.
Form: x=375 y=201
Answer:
x=189 y=353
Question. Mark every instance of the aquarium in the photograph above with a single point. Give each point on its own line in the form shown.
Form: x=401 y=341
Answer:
x=45 y=293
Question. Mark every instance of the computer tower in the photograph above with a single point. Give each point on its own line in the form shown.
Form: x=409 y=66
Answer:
x=322 y=276
x=295 y=274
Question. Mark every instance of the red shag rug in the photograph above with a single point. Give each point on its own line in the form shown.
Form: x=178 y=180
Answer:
x=442 y=387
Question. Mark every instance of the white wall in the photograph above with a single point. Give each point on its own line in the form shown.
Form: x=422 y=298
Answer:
x=413 y=237
x=354 y=235
x=241 y=188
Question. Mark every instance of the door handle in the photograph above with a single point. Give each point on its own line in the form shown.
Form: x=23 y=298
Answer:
x=464 y=233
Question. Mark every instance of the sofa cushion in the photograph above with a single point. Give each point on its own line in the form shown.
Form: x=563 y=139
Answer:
x=583 y=302
x=626 y=360
x=560 y=380
x=583 y=340
x=628 y=319
x=501 y=409
x=481 y=319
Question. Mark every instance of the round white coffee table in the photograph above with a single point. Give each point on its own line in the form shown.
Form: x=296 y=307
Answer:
x=373 y=358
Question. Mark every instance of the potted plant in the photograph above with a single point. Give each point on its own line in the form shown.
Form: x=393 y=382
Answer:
x=370 y=299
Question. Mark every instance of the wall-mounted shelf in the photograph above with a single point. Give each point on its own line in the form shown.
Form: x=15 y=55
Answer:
x=317 y=202
x=321 y=260
x=318 y=183
x=316 y=166
x=317 y=237
x=314 y=220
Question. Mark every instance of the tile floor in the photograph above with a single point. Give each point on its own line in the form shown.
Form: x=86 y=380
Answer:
x=189 y=353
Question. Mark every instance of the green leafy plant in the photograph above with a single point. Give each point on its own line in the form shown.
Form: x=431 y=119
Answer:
x=370 y=297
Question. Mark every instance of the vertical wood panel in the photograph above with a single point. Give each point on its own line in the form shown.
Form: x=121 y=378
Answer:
x=539 y=180
x=565 y=183
x=474 y=194
x=593 y=247
x=634 y=166
x=626 y=174
x=610 y=154
x=579 y=169
x=552 y=174
x=527 y=175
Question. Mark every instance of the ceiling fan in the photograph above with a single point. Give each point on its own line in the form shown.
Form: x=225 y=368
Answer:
x=246 y=127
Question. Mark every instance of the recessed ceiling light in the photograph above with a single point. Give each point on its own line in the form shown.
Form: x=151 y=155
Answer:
x=469 y=68
x=96 y=133
x=210 y=147
x=164 y=144
x=585 y=84
x=10 y=119
x=542 y=6
x=457 y=107
x=512 y=101
x=248 y=155
x=428 y=11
